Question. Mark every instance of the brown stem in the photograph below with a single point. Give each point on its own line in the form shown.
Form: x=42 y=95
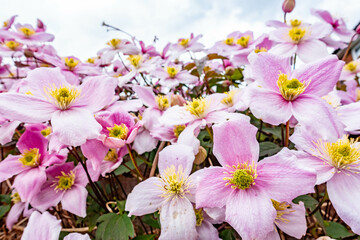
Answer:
x=348 y=48
x=134 y=162
x=153 y=167
x=286 y=144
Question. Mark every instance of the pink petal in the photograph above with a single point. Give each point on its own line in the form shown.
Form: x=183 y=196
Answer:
x=146 y=95
x=176 y=155
x=311 y=50
x=95 y=152
x=7 y=131
x=74 y=200
x=343 y=190
x=77 y=236
x=145 y=198
x=177 y=115
x=29 y=183
x=42 y=227
x=43 y=37
x=74 y=126
x=296 y=227
x=10 y=166
x=144 y=142
x=14 y=214
x=349 y=115
x=47 y=197
x=250 y=213
x=212 y=181
x=177 y=219
x=284 y=49
x=235 y=142
x=207 y=231
x=32 y=139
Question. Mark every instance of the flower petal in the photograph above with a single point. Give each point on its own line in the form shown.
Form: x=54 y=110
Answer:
x=41 y=227
x=74 y=200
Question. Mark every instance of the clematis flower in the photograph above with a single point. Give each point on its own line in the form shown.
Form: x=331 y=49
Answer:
x=115 y=46
x=302 y=40
x=11 y=48
x=70 y=108
x=26 y=34
x=29 y=167
x=65 y=184
x=336 y=160
x=350 y=70
x=8 y=23
x=245 y=186
x=42 y=227
x=279 y=93
x=168 y=194
x=352 y=93
x=187 y=44
x=7 y=130
x=16 y=210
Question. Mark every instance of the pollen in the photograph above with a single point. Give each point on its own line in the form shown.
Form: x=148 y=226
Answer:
x=175 y=183
x=243 y=41
x=163 y=102
x=65 y=181
x=135 y=60
x=12 y=45
x=282 y=208
x=199 y=216
x=62 y=97
x=351 y=66
x=118 y=131
x=112 y=155
x=27 y=31
x=196 y=107
x=229 y=41
x=296 y=34
x=71 y=63
x=15 y=198
x=257 y=50
x=340 y=154
x=172 y=71
x=290 y=89
x=184 y=42
x=91 y=60
x=5 y=24
x=241 y=176
x=46 y=132
x=295 y=23
x=228 y=100
x=114 y=43
x=30 y=157
x=178 y=130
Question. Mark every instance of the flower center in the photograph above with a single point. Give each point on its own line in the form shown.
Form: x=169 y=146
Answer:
x=290 y=89
x=282 y=208
x=163 y=102
x=71 y=63
x=111 y=155
x=12 y=45
x=257 y=50
x=199 y=216
x=196 y=107
x=175 y=183
x=135 y=60
x=172 y=71
x=184 y=42
x=30 y=157
x=63 y=97
x=27 y=31
x=228 y=100
x=296 y=34
x=243 y=41
x=114 y=42
x=46 y=132
x=118 y=131
x=15 y=198
x=242 y=176
x=229 y=41
x=351 y=66
x=65 y=181
x=178 y=129
x=295 y=23
x=341 y=153
x=5 y=23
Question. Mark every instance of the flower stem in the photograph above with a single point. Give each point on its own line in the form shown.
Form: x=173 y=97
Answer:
x=286 y=144
x=348 y=48
x=210 y=133
x=134 y=162
x=320 y=203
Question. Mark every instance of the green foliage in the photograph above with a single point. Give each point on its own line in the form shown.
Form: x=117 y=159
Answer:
x=336 y=230
x=145 y=237
x=152 y=220
x=114 y=227
x=268 y=149
x=227 y=234
x=3 y=210
x=122 y=169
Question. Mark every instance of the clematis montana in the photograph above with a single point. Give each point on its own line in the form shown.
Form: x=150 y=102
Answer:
x=279 y=93
x=168 y=194
x=336 y=160
x=42 y=227
x=70 y=108
x=244 y=186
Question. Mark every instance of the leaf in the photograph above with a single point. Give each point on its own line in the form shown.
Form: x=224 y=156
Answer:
x=276 y=132
x=145 y=237
x=237 y=75
x=268 y=149
x=114 y=227
x=227 y=234
x=121 y=205
x=5 y=198
x=336 y=230
x=122 y=169
x=205 y=139
x=3 y=210
x=212 y=56
x=308 y=201
x=152 y=220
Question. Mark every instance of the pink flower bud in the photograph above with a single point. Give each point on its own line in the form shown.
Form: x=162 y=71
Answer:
x=358 y=29
x=288 y=6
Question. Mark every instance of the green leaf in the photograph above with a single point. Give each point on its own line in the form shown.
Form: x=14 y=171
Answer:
x=227 y=234
x=122 y=169
x=5 y=198
x=145 y=237
x=152 y=220
x=268 y=149
x=121 y=205
x=276 y=131
x=114 y=227
x=205 y=139
x=237 y=75
x=3 y=210
x=308 y=201
x=336 y=230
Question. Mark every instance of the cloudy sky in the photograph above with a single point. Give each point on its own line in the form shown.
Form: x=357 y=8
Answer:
x=76 y=24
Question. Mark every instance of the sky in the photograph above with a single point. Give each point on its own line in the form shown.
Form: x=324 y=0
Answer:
x=76 y=24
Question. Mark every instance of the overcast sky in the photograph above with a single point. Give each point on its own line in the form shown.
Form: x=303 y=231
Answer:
x=76 y=24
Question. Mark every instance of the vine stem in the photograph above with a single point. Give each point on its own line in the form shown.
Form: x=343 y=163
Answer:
x=210 y=133
x=348 y=48
x=134 y=162
x=156 y=159
x=286 y=144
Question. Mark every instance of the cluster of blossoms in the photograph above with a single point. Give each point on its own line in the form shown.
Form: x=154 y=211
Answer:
x=181 y=128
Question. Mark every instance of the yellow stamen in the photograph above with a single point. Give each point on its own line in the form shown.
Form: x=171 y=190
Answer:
x=112 y=155
x=172 y=71
x=114 y=42
x=184 y=42
x=357 y=94
x=196 y=107
x=243 y=41
x=228 y=100
x=296 y=34
x=46 y=132
x=175 y=183
x=178 y=130
x=15 y=198
x=351 y=66
x=290 y=89
x=91 y=60
x=27 y=31
x=5 y=24
x=63 y=96
x=71 y=63
x=199 y=216
x=30 y=157
x=66 y=181
x=12 y=45
x=229 y=41
x=118 y=131
x=257 y=50
x=242 y=176
x=163 y=102
x=282 y=208
x=295 y=23
x=135 y=60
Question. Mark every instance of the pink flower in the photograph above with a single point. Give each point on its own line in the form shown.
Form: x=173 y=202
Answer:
x=280 y=94
x=245 y=186
x=336 y=160
x=26 y=34
x=350 y=70
x=115 y=46
x=42 y=227
x=168 y=194
x=8 y=23
x=16 y=210
x=70 y=108
x=188 y=44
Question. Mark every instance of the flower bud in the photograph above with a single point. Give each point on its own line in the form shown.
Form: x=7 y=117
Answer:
x=288 y=6
x=229 y=71
x=358 y=29
x=200 y=156
x=28 y=53
x=177 y=100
